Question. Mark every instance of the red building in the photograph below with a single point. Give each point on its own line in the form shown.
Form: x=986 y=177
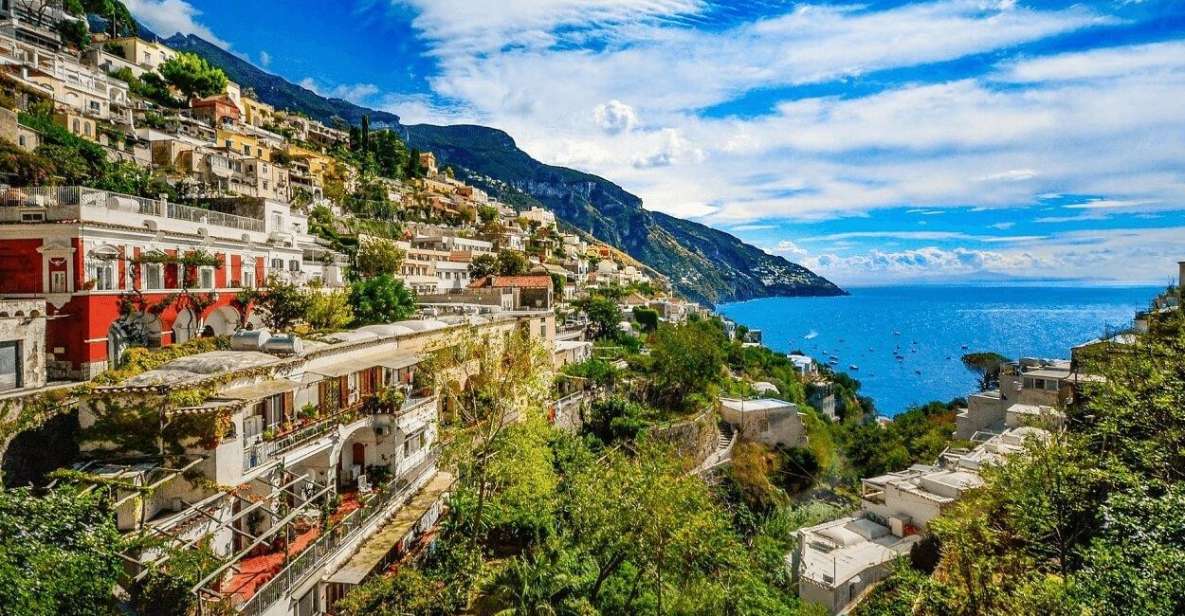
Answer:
x=117 y=271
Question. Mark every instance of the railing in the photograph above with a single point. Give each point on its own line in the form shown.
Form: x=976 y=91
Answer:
x=266 y=451
x=197 y=214
x=68 y=196
x=337 y=537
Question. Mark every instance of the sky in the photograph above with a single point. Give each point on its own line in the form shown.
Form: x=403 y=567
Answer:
x=874 y=142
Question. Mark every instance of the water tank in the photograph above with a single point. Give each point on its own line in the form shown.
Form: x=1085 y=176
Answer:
x=126 y=204
x=250 y=340
x=284 y=344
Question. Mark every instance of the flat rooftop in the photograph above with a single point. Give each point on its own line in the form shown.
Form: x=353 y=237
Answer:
x=196 y=367
x=837 y=551
x=762 y=404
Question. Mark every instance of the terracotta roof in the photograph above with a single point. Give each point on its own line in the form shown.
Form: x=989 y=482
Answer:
x=503 y=282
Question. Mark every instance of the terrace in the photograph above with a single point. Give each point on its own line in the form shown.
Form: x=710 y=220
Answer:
x=255 y=582
x=43 y=204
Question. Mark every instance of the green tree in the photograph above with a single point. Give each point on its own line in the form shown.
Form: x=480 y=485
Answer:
x=328 y=310
x=512 y=263
x=489 y=383
x=377 y=256
x=647 y=318
x=603 y=316
x=281 y=303
x=483 y=265
x=58 y=553
x=381 y=299
x=986 y=366
x=193 y=75
x=688 y=360
x=487 y=213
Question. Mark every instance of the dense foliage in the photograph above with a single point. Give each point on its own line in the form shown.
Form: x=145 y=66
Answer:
x=193 y=75
x=58 y=554
x=382 y=299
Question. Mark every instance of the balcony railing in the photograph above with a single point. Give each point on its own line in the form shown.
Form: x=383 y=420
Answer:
x=263 y=452
x=79 y=196
x=335 y=539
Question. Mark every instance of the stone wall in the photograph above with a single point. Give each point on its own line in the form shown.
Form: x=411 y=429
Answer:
x=23 y=321
x=696 y=438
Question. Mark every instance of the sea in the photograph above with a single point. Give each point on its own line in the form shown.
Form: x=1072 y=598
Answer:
x=932 y=327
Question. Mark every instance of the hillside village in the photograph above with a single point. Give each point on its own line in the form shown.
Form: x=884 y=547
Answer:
x=254 y=364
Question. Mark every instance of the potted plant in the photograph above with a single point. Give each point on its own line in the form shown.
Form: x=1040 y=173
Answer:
x=308 y=412
x=269 y=434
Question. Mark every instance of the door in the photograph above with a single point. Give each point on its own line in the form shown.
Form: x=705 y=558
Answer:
x=359 y=454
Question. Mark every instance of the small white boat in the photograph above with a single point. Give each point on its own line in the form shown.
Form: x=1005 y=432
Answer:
x=854 y=367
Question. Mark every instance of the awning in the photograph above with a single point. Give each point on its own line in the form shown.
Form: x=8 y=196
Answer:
x=376 y=549
x=259 y=391
x=393 y=361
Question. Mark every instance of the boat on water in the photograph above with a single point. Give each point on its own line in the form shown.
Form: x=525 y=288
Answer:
x=964 y=347
x=854 y=368
x=833 y=361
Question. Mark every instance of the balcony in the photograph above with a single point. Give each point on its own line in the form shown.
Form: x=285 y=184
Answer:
x=263 y=452
x=345 y=536
x=67 y=203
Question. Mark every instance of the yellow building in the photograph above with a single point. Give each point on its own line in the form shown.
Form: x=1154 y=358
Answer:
x=136 y=50
x=240 y=143
x=257 y=113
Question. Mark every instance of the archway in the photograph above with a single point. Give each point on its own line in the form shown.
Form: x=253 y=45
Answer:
x=222 y=321
x=118 y=341
x=185 y=327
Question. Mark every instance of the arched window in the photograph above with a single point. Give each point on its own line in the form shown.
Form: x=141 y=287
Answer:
x=101 y=268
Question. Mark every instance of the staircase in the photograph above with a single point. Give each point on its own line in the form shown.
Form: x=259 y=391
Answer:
x=726 y=439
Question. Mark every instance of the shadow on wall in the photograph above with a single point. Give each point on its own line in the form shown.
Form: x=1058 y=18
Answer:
x=35 y=453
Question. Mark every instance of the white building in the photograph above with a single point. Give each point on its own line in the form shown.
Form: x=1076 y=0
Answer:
x=768 y=420
x=837 y=561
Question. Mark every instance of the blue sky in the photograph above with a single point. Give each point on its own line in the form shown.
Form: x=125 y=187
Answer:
x=876 y=142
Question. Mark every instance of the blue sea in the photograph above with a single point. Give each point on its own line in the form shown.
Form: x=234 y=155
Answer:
x=930 y=325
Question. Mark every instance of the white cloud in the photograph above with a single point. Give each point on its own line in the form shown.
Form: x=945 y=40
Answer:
x=615 y=117
x=265 y=59
x=1003 y=226
x=423 y=109
x=1105 y=255
x=357 y=93
x=168 y=17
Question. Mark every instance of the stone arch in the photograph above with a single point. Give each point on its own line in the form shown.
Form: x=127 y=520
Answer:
x=223 y=321
x=186 y=326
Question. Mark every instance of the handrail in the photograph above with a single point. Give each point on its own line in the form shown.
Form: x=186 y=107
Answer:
x=337 y=536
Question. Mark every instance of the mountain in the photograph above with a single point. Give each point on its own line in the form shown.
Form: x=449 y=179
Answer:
x=703 y=263
x=277 y=91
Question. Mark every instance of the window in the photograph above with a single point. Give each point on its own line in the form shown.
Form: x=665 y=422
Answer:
x=154 y=276
x=294 y=265
x=102 y=270
x=57 y=282
x=277 y=264
x=206 y=278
x=10 y=365
x=248 y=280
x=230 y=144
